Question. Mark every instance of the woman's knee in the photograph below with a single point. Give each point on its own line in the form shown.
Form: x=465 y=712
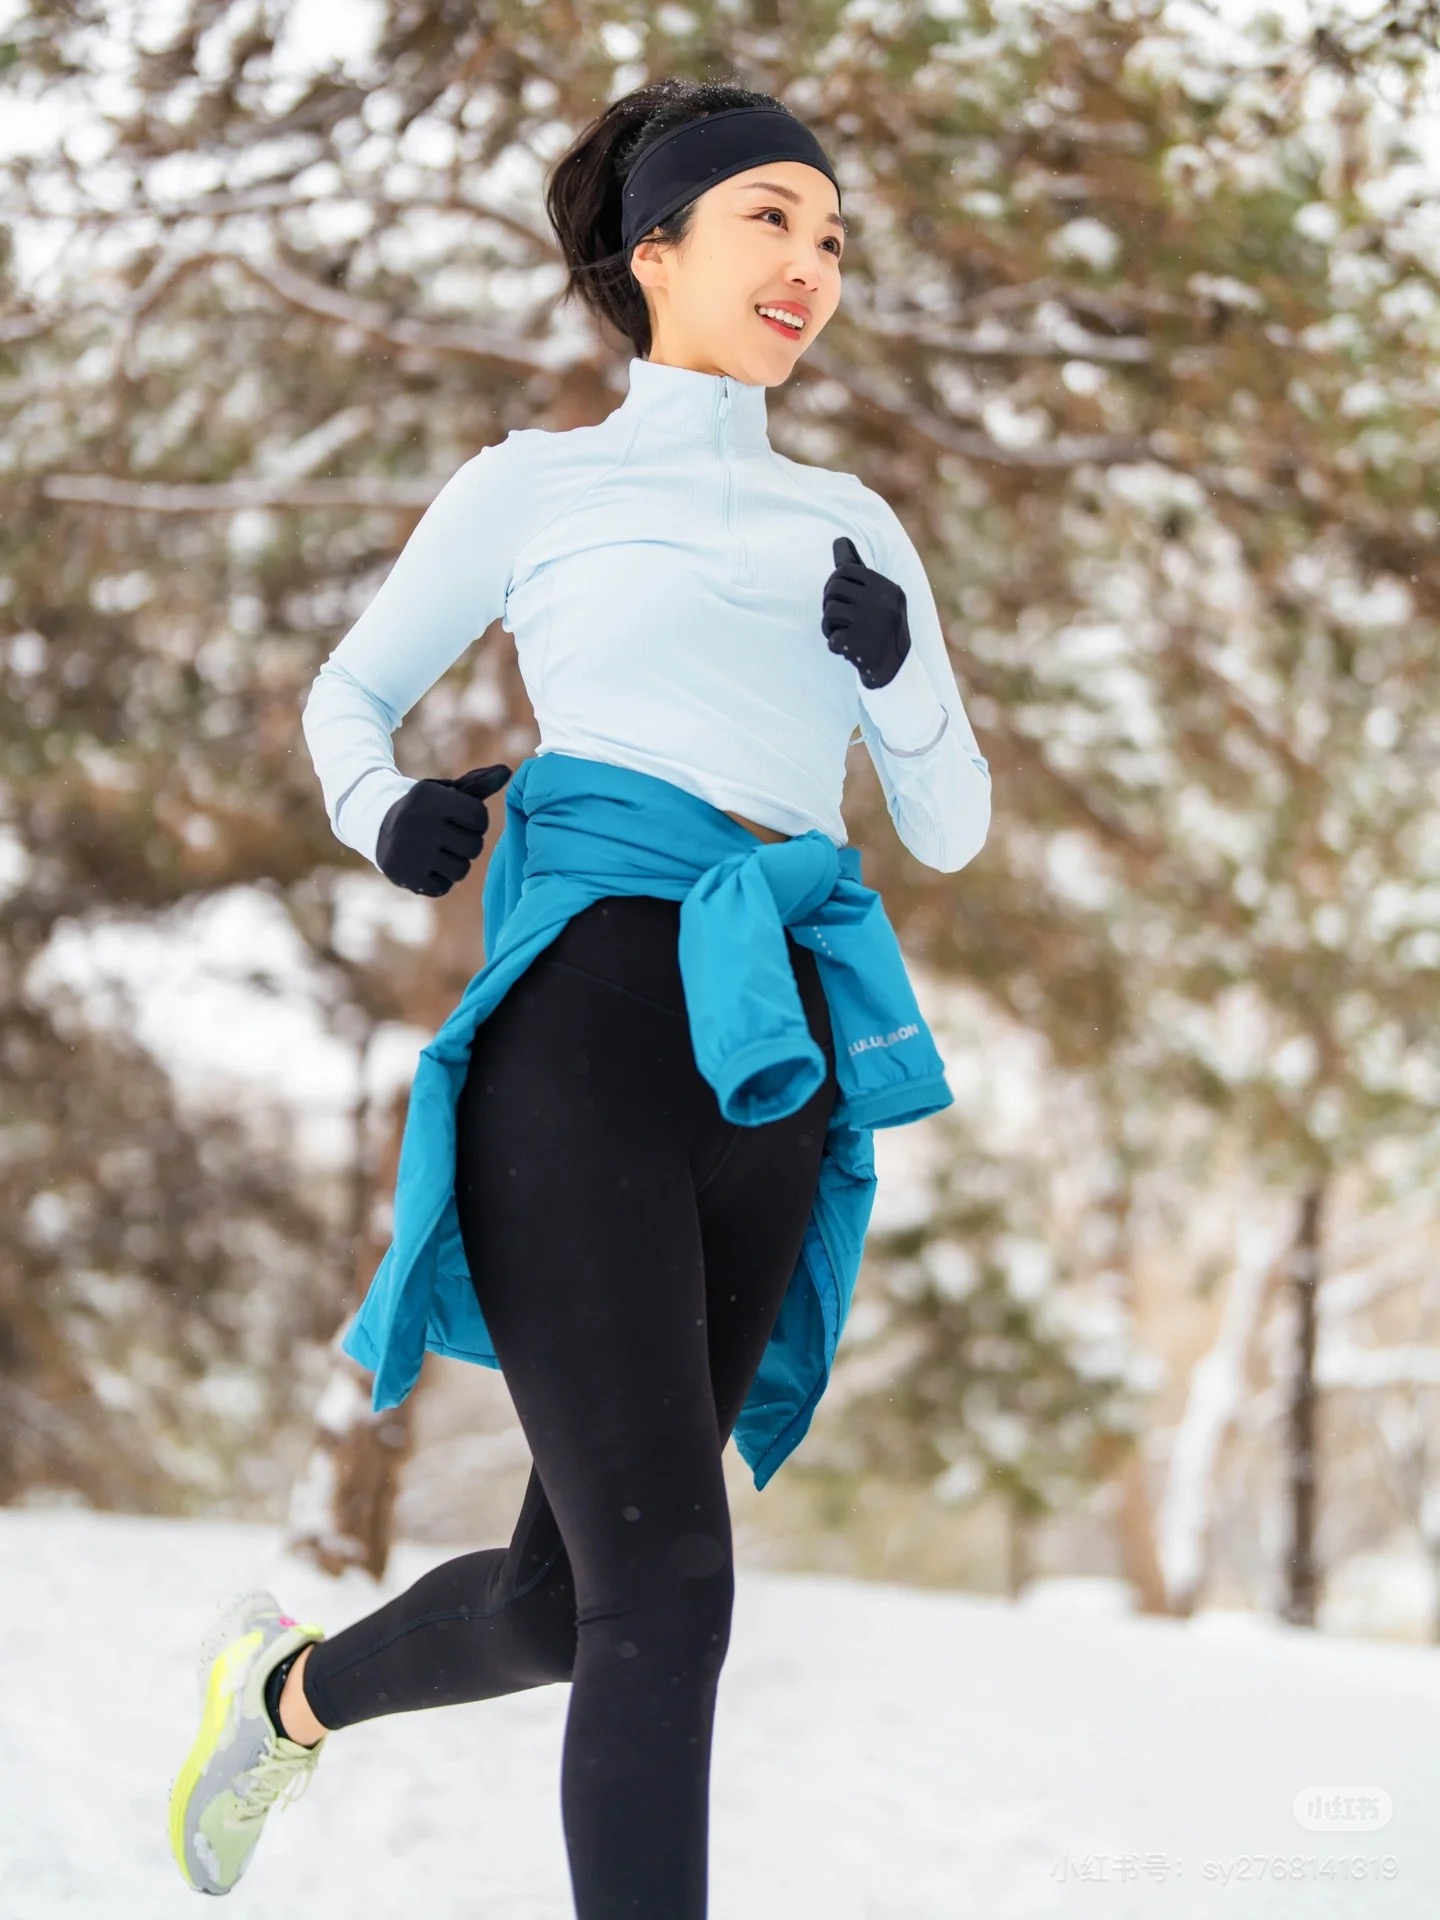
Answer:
x=707 y=1604
x=687 y=1618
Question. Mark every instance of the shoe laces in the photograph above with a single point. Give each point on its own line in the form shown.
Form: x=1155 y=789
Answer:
x=276 y=1779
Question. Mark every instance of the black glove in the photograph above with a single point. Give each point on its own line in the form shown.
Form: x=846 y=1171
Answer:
x=432 y=833
x=864 y=617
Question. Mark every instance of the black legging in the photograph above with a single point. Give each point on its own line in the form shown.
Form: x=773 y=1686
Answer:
x=630 y=1250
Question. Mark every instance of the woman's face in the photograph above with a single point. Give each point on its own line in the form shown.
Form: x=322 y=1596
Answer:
x=768 y=235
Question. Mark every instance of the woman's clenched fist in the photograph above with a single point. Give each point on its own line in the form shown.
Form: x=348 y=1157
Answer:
x=863 y=617
x=432 y=833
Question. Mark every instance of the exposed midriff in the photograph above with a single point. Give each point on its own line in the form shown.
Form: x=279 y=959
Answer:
x=763 y=833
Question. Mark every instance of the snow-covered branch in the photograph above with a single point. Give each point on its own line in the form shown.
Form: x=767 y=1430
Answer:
x=231 y=496
x=1339 y=1363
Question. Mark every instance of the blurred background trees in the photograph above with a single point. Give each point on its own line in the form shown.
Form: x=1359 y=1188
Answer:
x=1138 y=336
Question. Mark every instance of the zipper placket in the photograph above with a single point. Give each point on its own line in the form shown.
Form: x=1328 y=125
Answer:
x=739 y=558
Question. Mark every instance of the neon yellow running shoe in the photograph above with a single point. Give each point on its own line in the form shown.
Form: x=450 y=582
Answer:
x=239 y=1765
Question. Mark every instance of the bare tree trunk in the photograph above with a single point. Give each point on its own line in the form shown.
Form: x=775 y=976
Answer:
x=1135 y=1536
x=1219 y=1382
x=1017 y=1557
x=1302 y=1580
x=343 y=1498
x=1134 y=1513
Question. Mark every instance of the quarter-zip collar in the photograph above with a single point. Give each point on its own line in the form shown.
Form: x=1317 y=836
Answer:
x=723 y=412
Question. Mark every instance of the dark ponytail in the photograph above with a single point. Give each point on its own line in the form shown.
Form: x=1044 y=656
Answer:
x=583 y=188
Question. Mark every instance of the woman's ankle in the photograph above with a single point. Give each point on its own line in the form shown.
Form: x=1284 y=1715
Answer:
x=296 y=1716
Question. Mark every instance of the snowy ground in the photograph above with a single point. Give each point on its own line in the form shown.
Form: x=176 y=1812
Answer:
x=881 y=1754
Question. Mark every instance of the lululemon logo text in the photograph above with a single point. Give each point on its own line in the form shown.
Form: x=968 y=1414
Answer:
x=883 y=1039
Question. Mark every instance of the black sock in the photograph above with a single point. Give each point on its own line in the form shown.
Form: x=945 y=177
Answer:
x=274 y=1686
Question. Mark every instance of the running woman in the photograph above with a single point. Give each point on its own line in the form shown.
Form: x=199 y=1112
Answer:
x=636 y=1168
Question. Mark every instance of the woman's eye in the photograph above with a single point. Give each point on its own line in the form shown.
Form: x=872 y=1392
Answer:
x=839 y=245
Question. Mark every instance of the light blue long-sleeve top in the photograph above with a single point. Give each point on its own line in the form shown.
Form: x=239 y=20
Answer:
x=663 y=575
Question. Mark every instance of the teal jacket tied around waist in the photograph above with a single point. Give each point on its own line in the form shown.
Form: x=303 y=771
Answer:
x=577 y=830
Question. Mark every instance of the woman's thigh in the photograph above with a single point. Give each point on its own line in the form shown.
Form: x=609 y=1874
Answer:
x=630 y=1247
x=578 y=1213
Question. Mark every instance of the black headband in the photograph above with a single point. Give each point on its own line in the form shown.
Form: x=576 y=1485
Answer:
x=691 y=158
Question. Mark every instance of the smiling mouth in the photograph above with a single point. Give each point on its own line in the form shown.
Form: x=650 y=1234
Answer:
x=780 y=326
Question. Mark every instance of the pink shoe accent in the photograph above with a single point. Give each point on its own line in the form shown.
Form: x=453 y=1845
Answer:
x=286 y=1621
